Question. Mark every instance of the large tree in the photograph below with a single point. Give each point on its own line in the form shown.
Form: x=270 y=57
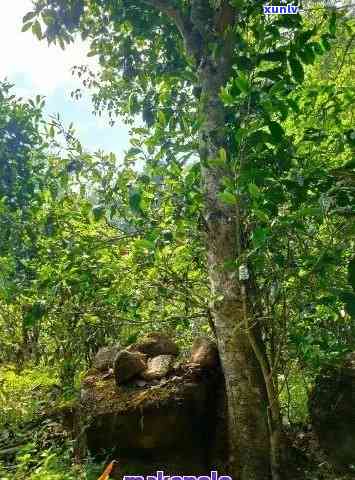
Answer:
x=205 y=75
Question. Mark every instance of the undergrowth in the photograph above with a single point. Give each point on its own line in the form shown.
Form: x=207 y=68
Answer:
x=294 y=397
x=50 y=464
x=23 y=394
x=44 y=451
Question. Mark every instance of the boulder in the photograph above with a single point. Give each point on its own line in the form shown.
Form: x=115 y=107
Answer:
x=158 y=367
x=127 y=365
x=332 y=411
x=154 y=344
x=105 y=358
x=149 y=426
x=204 y=353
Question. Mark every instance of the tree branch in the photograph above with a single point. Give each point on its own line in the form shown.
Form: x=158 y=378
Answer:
x=225 y=17
x=191 y=37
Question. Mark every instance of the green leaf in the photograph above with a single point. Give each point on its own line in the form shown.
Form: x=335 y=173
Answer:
x=260 y=236
x=253 y=190
x=240 y=134
x=259 y=137
x=274 y=74
x=29 y=16
x=61 y=43
x=144 y=179
x=277 y=131
x=349 y=165
x=143 y=244
x=161 y=118
x=260 y=215
x=135 y=200
x=244 y=63
x=307 y=55
x=242 y=83
x=222 y=155
x=296 y=69
x=227 y=98
x=350 y=137
x=279 y=87
x=227 y=197
x=302 y=273
x=48 y=18
x=134 y=151
x=167 y=235
x=276 y=56
x=288 y=21
x=26 y=27
x=329 y=300
x=307 y=211
x=37 y=30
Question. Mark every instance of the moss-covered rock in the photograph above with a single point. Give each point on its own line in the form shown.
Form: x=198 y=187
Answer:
x=128 y=365
x=154 y=344
x=105 y=357
x=169 y=426
x=332 y=410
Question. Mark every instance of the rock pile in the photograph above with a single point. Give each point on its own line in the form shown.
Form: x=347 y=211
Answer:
x=152 y=358
x=152 y=409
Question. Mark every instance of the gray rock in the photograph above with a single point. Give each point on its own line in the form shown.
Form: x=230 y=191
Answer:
x=158 y=367
x=128 y=365
x=140 y=383
x=155 y=344
x=105 y=358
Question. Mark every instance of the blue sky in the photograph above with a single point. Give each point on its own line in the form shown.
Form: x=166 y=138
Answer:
x=35 y=68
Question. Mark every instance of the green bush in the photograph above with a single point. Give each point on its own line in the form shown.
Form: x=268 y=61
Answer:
x=23 y=393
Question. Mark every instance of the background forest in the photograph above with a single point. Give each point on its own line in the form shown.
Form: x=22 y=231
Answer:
x=96 y=250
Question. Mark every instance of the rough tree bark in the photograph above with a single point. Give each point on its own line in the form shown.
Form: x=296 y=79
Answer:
x=246 y=393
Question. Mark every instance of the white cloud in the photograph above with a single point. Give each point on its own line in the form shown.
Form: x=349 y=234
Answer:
x=44 y=68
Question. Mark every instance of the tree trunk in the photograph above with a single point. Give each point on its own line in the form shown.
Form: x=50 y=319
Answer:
x=252 y=404
x=245 y=385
